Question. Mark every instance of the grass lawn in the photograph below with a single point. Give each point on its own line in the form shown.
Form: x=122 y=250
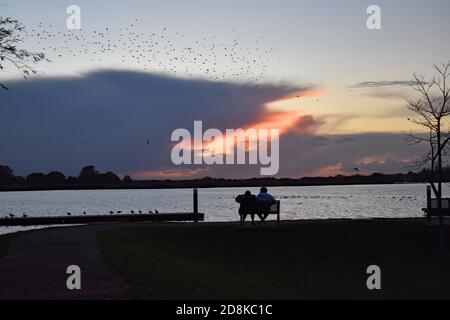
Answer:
x=299 y=260
x=4 y=243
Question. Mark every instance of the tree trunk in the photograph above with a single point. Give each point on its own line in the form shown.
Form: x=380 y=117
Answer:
x=442 y=235
x=439 y=164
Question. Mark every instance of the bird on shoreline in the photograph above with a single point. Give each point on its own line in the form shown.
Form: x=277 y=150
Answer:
x=24 y=216
x=140 y=211
x=132 y=211
x=111 y=212
x=11 y=215
x=156 y=211
x=69 y=214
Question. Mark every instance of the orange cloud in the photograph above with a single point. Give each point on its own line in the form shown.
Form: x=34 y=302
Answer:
x=329 y=171
x=294 y=121
x=283 y=121
x=168 y=174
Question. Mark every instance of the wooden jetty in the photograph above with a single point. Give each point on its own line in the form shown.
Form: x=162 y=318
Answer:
x=85 y=219
x=104 y=218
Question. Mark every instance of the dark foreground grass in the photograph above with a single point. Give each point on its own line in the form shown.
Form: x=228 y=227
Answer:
x=300 y=260
x=4 y=243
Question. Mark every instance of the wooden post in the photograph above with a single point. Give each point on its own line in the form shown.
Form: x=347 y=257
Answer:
x=279 y=212
x=429 y=204
x=195 y=200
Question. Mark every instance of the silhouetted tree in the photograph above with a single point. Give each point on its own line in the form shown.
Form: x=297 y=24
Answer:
x=111 y=178
x=127 y=179
x=88 y=174
x=20 y=180
x=55 y=178
x=22 y=59
x=6 y=175
x=36 y=179
x=431 y=111
x=72 y=181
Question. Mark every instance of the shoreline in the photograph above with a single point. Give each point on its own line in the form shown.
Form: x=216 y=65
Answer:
x=270 y=223
x=199 y=186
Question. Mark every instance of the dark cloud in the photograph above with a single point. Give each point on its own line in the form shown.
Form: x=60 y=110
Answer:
x=388 y=165
x=378 y=84
x=311 y=154
x=315 y=154
x=383 y=89
x=120 y=121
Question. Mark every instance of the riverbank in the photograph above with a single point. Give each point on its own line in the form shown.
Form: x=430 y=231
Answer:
x=208 y=182
x=324 y=259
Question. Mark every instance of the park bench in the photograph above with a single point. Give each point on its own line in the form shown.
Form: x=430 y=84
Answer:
x=263 y=209
x=433 y=210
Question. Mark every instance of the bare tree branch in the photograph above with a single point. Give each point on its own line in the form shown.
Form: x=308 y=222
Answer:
x=22 y=59
x=431 y=109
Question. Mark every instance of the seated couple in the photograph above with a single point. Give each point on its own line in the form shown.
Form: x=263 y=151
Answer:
x=259 y=205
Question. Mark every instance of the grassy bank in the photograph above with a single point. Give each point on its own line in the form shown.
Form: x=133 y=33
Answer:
x=326 y=259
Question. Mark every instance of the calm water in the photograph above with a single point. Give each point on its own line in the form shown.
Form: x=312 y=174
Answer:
x=402 y=200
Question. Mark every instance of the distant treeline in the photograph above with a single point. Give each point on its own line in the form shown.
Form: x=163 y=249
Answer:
x=90 y=178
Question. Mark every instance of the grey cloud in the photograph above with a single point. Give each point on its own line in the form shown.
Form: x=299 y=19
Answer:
x=303 y=156
x=106 y=117
x=378 y=84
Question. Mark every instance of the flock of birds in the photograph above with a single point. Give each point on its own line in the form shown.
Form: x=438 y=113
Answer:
x=175 y=53
x=10 y=215
x=164 y=50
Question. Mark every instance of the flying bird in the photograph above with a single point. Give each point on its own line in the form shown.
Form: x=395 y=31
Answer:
x=207 y=57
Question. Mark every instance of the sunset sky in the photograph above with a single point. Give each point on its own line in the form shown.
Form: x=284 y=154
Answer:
x=140 y=69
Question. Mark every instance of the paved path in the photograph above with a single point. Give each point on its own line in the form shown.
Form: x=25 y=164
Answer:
x=35 y=267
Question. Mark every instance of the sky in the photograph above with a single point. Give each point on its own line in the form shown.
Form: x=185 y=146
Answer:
x=137 y=70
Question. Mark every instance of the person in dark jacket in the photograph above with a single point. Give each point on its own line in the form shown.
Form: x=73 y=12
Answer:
x=247 y=203
x=264 y=200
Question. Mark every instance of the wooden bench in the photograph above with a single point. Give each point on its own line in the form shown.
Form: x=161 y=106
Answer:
x=433 y=211
x=262 y=209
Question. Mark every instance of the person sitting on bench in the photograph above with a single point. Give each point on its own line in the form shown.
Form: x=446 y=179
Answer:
x=264 y=200
x=247 y=203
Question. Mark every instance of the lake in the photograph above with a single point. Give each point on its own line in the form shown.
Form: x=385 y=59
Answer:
x=321 y=202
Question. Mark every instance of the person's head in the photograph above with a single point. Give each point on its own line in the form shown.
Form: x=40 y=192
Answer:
x=263 y=190
x=248 y=193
